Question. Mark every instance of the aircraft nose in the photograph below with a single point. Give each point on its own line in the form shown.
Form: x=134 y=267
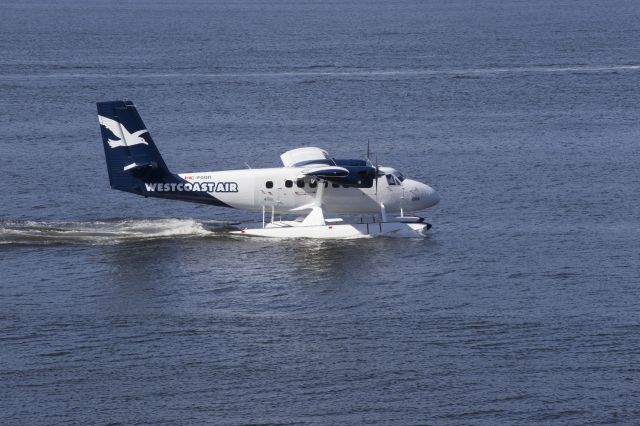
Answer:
x=424 y=196
x=430 y=196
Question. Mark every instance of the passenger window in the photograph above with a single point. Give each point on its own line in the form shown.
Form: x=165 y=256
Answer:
x=269 y=184
x=391 y=180
x=335 y=185
x=288 y=183
x=313 y=184
x=300 y=183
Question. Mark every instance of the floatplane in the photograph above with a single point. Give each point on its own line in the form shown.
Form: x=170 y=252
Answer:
x=311 y=185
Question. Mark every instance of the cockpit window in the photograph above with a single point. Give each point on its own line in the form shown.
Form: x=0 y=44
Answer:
x=400 y=177
x=391 y=180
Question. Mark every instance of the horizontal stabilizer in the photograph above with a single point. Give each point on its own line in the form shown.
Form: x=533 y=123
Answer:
x=135 y=167
x=302 y=156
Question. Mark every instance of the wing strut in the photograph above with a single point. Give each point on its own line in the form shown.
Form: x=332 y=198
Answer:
x=316 y=216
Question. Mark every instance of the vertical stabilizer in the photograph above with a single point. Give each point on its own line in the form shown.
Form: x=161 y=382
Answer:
x=132 y=156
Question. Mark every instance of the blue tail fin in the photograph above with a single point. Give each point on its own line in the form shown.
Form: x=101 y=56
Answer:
x=132 y=157
x=133 y=160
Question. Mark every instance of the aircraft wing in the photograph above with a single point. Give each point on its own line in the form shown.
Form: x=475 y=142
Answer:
x=326 y=171
x=315 y=163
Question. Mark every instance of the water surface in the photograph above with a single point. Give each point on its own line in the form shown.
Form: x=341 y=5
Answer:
x=520 y=308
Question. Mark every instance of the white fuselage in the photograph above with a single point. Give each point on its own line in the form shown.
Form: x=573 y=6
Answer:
x=286 y=190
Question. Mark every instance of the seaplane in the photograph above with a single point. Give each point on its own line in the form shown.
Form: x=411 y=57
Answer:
x=312 y=189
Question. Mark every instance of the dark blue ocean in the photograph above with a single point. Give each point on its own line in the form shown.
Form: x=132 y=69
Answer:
x=522 y=307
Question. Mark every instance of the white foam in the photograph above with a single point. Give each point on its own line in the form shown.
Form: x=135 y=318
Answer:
x=98 y=232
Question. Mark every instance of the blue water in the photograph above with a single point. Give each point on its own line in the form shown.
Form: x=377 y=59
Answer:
x=522 y=306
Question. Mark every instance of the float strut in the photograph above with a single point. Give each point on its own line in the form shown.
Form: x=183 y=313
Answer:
x=383 y=212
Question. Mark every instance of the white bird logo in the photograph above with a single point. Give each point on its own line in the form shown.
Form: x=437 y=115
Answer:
x=126 y=138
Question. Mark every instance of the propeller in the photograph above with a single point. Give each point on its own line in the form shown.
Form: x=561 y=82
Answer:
x=377 y=166
x=377 y=172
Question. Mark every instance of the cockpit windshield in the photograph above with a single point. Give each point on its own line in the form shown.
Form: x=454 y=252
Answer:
x=393 y=176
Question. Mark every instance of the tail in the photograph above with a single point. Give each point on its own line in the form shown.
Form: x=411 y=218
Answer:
x=132 y=157
x=133 y=160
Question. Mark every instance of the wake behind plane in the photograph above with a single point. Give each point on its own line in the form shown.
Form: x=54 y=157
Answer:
x=311 y=185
